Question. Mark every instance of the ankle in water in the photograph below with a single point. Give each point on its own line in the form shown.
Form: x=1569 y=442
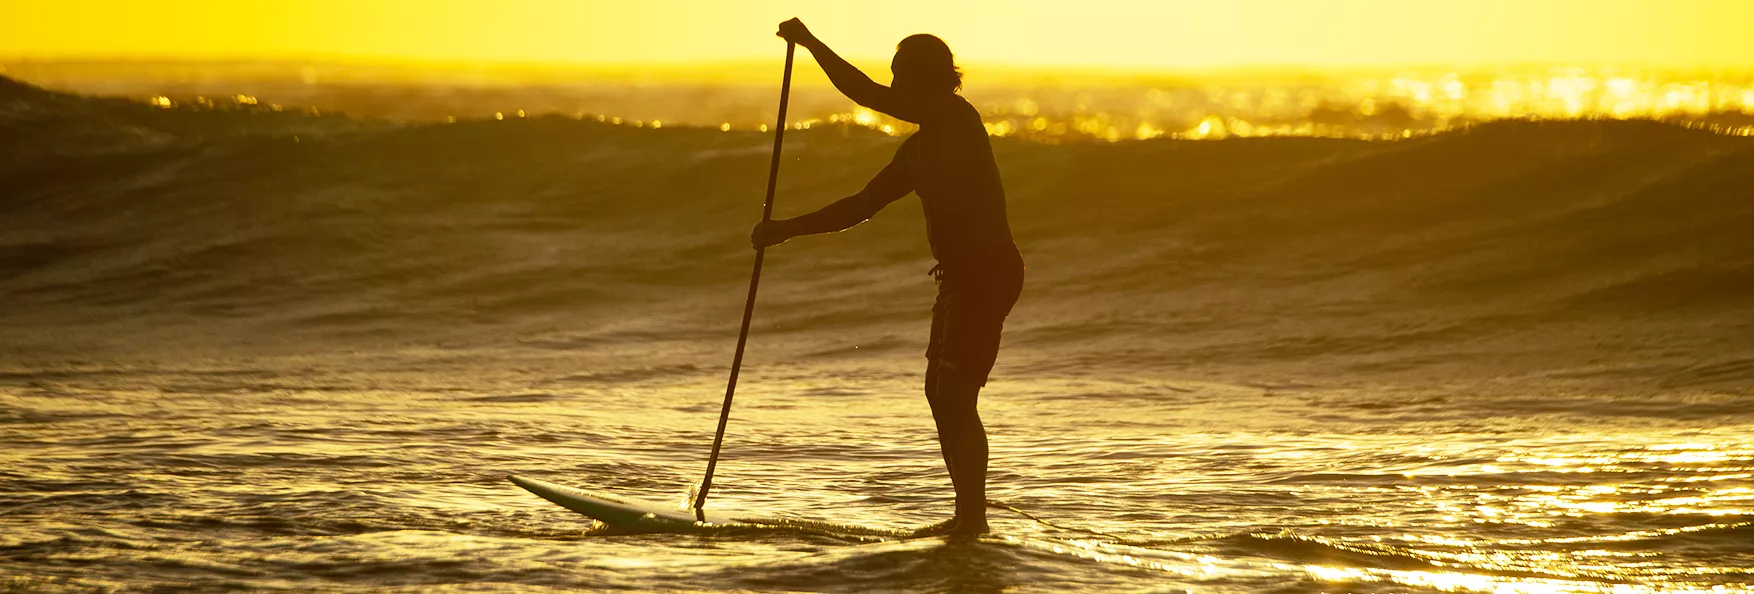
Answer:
x=976 y=527
x=938 y=529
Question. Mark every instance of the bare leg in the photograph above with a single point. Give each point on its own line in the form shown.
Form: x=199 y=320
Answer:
x=932 y=399
x=963 y=441
x=947 y=526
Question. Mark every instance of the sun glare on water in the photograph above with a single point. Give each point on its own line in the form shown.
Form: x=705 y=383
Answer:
x=1375 y=107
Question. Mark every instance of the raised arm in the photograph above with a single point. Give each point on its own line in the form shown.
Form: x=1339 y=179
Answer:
x=890 y=185
x=849 y=80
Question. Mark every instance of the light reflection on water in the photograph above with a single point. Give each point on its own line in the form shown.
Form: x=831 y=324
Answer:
x=1362 y=105
x=110 y=487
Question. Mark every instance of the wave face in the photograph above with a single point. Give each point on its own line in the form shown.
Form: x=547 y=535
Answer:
x=1575 y=251
x=249 y=349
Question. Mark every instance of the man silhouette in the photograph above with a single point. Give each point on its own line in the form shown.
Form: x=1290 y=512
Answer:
x=949 y=164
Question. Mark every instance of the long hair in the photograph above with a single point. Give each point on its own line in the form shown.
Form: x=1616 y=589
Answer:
x=929 y=57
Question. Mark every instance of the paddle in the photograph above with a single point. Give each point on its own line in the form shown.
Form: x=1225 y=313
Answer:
x=773 y=176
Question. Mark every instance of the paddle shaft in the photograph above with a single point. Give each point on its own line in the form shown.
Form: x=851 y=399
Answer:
x=773 y=176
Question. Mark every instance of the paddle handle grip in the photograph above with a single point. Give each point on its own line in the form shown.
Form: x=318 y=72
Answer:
x=773 y=176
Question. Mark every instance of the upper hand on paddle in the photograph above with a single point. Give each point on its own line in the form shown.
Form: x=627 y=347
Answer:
x=795 y=32
x=769 y=233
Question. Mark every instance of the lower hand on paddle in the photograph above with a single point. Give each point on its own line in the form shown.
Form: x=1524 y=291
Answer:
x=769 y=233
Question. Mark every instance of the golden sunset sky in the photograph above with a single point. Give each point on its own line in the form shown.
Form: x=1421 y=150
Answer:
x=1137 y=34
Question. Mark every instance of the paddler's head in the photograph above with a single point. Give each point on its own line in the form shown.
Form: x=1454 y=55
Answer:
x=923 y=65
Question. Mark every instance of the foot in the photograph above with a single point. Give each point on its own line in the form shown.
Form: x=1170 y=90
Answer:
x=939 y=529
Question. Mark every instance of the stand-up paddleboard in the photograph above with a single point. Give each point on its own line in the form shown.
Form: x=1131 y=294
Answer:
x=628 y=515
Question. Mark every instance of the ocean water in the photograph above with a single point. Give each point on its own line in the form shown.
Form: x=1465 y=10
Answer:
x=261 y=351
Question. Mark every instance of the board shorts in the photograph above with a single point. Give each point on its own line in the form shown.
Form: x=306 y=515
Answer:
x=968 y=317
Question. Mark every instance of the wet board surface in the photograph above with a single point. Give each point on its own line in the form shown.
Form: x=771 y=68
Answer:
x=616 y=511
x=626 y=514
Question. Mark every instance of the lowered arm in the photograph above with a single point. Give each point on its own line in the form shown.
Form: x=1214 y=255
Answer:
x=889 y=185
